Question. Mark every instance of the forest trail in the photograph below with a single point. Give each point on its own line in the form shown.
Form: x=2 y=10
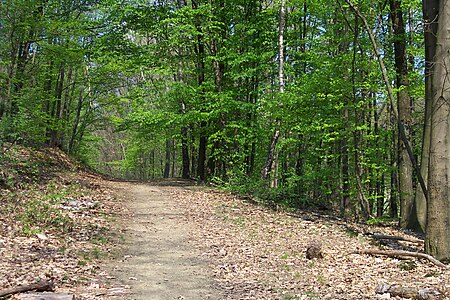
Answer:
x=159 y=262
x=187 y=242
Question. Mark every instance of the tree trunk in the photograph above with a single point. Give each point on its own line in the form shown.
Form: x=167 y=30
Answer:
x=55 y=130
x=437 y=240
x=201 y=170
x=185 y=173
x=166 y=173
x=78 y=113
x=404 y=114
x=271 y=153
x=270 y=157
x=203 y=140
x=430 y=12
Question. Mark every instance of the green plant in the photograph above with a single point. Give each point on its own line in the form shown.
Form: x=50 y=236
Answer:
x=311 y=294
x=380 y=221
x=288 y=296
x=321 y=279
x=37 y=216
x=407 y=265
x=351 y=232
x=91 y=254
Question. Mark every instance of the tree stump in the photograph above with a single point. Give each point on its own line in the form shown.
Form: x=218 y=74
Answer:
x=314 y=250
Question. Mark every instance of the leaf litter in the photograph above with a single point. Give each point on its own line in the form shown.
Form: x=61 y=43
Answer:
x=61 y=225
x=56 y=223
x=259 y=253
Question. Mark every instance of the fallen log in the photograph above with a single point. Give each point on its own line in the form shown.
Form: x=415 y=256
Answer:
x=397 y=253
x=47 y=296
x=40 y=286
x=395 y=238
x=409 y=292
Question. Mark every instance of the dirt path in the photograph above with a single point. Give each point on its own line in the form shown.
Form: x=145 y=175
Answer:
x=159 y=262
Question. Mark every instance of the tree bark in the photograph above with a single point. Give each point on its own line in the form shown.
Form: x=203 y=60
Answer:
x=270 y=157
x=405 y=116
x=437 y=240
x=430 y=13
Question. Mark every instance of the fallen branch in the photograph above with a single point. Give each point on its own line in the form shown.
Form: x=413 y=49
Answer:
x=408 y=292
x=41 y=286
x=395 y=253
x=47 y=296
x=395 y=238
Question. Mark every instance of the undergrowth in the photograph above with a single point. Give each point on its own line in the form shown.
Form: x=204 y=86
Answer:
x=285 y=196
x=32 y=189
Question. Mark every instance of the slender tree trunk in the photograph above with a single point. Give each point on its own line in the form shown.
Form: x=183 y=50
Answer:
x=379 y=179
x=405 y=116
x=201 y=163
x=185 y=173
x=437 y=240
x=276 y=135
x=430 y=14
x=166 y=173
x=174 y=156
x=80 y=103
x=203 y=140
x=55 y=132
x=393 y=199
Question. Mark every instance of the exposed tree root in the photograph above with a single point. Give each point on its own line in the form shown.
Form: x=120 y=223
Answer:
x=395 y=238
x=396 y=253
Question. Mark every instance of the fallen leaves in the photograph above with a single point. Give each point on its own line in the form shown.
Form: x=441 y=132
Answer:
x=258 y=253
x=56 y=224
x=57 y=227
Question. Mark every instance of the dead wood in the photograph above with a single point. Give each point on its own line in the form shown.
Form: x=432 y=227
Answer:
x=40 y=286
x=47 y=296
x=314 y=250
x=395 y=238
x=409 y=292
x=396 y=253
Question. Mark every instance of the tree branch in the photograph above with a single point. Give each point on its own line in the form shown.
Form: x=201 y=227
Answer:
x=396 y=253
x=40 y=286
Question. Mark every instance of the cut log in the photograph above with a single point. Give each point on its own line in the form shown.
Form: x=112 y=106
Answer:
x=47 y=296
x=408 y=292
x=41 y=286
x=400 y=253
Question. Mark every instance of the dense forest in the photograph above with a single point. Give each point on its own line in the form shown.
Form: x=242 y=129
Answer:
x=340 y=104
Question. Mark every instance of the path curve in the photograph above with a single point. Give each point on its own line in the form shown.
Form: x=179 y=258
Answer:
x=159 y=262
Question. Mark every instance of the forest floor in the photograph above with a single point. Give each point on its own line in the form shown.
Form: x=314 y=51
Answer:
x=101 y=239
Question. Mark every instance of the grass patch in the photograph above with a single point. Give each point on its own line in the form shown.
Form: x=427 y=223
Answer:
x=39 y=216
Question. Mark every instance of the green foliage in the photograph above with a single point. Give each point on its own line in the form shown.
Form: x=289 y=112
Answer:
x=131 y=87
x=381 y=220
x=39 y=216
x=407 y=265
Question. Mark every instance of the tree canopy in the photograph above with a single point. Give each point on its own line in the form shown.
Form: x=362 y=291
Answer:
x=297 y=102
